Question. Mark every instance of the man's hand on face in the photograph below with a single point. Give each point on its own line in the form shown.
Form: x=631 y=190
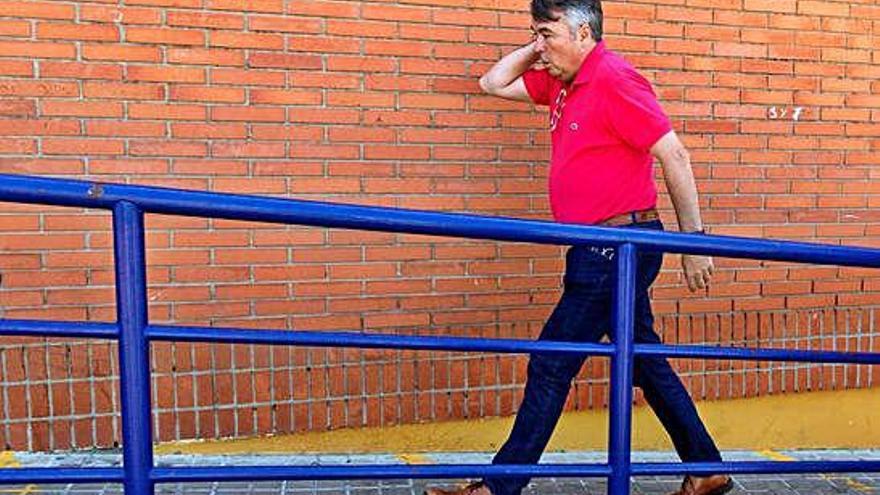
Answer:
x=537 y=63
x=698 y=270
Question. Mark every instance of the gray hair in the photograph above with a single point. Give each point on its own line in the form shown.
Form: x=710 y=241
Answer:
x=577 y=13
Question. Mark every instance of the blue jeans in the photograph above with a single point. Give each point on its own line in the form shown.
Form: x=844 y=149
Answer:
x=584 y=314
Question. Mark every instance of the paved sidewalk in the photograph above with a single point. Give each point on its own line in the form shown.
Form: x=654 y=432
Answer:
x=801 y=484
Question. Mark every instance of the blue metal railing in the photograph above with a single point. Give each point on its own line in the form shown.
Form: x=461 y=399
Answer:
x=134 y=333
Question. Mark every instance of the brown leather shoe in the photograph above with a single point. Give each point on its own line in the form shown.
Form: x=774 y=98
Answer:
x=710 y=485
x=478 y=488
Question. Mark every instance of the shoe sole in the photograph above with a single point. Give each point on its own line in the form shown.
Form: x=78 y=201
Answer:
x=721 y=490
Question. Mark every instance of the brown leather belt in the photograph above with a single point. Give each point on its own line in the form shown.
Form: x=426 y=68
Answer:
x=632 y=217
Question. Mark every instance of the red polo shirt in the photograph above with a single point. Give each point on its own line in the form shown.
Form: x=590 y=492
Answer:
x=610 y=118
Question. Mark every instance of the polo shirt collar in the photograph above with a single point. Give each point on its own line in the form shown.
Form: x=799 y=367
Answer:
x=589 y=65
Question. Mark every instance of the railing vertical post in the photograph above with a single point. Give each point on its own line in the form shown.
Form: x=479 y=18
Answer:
x=134 y=347
x=620 y=406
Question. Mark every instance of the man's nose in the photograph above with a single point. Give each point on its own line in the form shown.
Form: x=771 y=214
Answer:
x=539 y=44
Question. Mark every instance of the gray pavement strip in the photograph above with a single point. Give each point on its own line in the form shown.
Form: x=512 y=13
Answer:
x=799 y=484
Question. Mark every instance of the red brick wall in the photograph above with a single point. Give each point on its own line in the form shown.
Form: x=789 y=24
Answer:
x=376 y=102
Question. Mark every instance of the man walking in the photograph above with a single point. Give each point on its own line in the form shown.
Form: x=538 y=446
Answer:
x=606 y=127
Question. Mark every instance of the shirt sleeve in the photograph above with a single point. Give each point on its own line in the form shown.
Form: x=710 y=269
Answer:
x=538 y=83
x=634 y=112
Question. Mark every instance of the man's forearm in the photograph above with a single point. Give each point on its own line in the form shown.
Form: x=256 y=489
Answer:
x=680 y=182
x=510 y=67
x=683 y=192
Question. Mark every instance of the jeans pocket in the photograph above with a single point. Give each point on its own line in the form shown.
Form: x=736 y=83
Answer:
x=589 y=265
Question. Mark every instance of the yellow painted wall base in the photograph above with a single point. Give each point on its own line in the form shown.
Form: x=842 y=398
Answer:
x=840 y=419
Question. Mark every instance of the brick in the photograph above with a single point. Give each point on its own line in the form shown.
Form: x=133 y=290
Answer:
x=315 y=151
x=118 y=128
x=126 y=53
x=87 y=296
x=340 y=323
x=39 y=10
x=17 y=68
x=730 y=49
x=168 y=3
x=165 y=74
x=124 y=91
x=679 y=46
x=289 y=24
x=199 y=311
x=366 y=100
x=397 y=320
x=76 y=70
x=292 y=133
x=396 y=13
x=250 y=150
x=210 y=274
x=205 y=56
x=139 y=167
x=711 y=32
x=324 y=44
x=37 y=49
x=165 y=148
x=784 y=6
x=212 y=20
x=39 y=127
x=335 y=185
x=743 y=19
x=163 y=36
x=235 y=39
x=326 y=80
x=125 y=15
x=369 y=29
x=239 y=77
x=358 y=134
x=446 y=67
x=207 y=94
x=88 y=32
x=341 y=116
x=437 y=33
x=252 y=113
x=285 y=61
x=166 y=112
x=464 y=52
x=823 y=8
x=397 y=47
x=344 y=63
x=208 y=131
x=270 y=6
x=82 y=146
x=492 y=36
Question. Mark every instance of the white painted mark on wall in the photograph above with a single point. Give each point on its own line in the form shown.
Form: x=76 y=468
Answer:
x=780 y=113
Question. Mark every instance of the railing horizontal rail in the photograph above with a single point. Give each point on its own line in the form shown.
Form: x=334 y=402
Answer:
x=17 y=476
x=417 y=342
x=754 y=467
x=50 y=328
x=752 y=354
x=369 y=340
x=386 y=471
x=394 y=471
x=290 y=211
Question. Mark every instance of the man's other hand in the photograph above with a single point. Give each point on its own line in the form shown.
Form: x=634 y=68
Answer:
x=698 y=270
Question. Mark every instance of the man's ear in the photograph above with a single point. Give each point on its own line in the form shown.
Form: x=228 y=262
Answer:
x=584 y=33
